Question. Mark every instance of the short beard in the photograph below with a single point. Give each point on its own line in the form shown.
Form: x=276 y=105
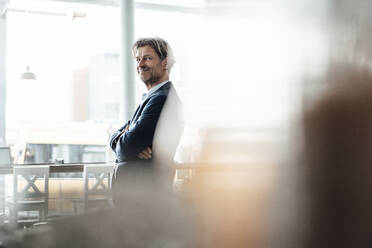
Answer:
x=151 y=81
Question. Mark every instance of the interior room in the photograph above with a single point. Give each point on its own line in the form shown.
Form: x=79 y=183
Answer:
x=267 y=144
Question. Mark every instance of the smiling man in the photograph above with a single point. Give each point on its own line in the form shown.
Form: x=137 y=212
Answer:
x=133 y=142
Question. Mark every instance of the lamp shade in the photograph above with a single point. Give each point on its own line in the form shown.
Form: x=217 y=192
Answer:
x=28 y=74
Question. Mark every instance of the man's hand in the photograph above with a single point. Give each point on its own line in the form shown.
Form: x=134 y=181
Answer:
x=145 y=154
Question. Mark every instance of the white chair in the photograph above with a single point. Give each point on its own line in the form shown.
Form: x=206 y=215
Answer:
x=30 y=192
x=97 y=187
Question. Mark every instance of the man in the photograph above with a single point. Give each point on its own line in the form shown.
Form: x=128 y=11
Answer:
x=132 y=143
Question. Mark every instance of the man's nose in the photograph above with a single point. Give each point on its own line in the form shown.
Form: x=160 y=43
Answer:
x=140 y=62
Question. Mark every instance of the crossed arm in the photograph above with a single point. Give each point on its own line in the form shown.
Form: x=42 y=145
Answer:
x=134 y=140
x=144 y=154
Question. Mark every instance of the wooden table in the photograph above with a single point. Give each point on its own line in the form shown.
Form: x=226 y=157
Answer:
x=53 y=168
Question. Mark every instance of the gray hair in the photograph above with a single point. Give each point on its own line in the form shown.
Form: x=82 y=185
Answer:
x=161 y=47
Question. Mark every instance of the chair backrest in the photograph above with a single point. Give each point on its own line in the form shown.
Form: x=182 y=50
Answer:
x=30 y=182
x=5 y=156
x=97 y=181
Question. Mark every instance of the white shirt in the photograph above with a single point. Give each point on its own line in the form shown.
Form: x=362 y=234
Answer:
x=152 y=90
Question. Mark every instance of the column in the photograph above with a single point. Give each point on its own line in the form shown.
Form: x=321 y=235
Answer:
x=127 y=68
x=2 y=70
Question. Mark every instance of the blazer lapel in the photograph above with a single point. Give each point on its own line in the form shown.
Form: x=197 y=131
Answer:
x=140 y=107
x=136 y=114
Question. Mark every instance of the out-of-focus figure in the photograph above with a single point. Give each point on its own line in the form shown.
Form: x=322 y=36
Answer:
x=338 y=178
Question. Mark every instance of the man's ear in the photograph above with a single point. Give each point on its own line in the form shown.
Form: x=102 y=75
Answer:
x=165 y=65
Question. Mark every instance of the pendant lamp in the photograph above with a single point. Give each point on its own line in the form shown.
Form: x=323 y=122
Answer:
x=28 y=74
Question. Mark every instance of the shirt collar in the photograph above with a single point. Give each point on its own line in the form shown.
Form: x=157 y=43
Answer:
x=152 y=90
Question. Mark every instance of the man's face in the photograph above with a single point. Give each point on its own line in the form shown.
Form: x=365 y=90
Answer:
x=149 y=67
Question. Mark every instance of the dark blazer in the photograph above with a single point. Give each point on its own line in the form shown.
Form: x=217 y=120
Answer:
x=141 y=127
x=157 y=123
